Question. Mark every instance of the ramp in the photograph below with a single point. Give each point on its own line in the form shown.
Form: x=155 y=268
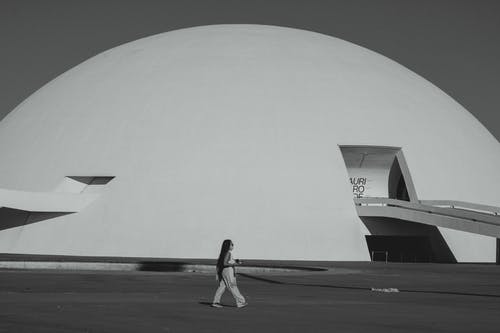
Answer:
x=458 y=215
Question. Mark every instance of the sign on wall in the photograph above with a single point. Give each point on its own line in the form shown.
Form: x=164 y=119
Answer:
x=358 y=186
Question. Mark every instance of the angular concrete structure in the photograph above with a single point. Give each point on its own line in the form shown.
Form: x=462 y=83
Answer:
x=167 y=145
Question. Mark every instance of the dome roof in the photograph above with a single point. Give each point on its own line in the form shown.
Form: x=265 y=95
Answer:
x=238 y=126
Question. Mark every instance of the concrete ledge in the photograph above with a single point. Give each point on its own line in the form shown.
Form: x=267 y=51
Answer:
x=69 y=265
x=143 y=266
x=63 y=262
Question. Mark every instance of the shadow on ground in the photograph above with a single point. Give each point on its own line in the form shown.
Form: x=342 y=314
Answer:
x=274 y=281
x=179 y=266
x=162 y=266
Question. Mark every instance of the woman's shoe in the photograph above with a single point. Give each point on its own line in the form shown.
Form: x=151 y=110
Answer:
x=242 y=305
x=216 y=305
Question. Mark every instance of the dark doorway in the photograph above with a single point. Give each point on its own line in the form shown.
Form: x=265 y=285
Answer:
x=498 y=251
x=400 y=248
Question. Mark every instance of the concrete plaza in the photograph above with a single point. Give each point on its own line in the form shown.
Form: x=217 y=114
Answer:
x=431 y=298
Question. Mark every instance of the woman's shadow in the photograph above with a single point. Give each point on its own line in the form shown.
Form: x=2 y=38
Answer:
x=224 y=305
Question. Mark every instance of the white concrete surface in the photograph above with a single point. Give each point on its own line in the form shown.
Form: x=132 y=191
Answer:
x=232 y=131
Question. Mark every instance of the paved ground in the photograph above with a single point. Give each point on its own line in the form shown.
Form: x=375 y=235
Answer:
x=432 y=298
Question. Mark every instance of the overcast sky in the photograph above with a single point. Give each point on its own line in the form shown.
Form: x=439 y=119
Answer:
x=454 y=44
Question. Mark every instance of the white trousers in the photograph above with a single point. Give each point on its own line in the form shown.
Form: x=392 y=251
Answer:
x=229 y=281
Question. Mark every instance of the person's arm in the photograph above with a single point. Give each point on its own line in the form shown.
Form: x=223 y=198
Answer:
x=227 y=260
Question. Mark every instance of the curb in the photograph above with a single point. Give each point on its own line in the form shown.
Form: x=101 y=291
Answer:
x=157 y=267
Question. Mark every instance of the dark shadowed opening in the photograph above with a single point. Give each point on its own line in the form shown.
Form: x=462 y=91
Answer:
x=406 y=241
x=400 y=248
x=11 y=218
x=396 y=183
x=498 y=251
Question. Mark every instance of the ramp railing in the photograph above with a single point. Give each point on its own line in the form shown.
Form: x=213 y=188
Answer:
x=480 y=219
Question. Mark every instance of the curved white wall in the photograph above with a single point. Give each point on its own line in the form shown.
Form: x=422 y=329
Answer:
x=232 y=131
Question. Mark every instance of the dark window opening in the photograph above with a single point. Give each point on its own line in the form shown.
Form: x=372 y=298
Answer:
x=92 y=180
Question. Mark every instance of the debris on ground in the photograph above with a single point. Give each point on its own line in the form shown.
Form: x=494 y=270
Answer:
x=386 y=290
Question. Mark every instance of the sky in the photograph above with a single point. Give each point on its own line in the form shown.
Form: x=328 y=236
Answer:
x=453 y=44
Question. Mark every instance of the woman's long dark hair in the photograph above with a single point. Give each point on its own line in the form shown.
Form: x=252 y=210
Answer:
x=226 y=245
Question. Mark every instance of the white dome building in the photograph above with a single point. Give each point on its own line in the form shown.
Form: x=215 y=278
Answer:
x=165 y=146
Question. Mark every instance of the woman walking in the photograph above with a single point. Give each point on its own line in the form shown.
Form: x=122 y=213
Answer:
x=226 y=276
